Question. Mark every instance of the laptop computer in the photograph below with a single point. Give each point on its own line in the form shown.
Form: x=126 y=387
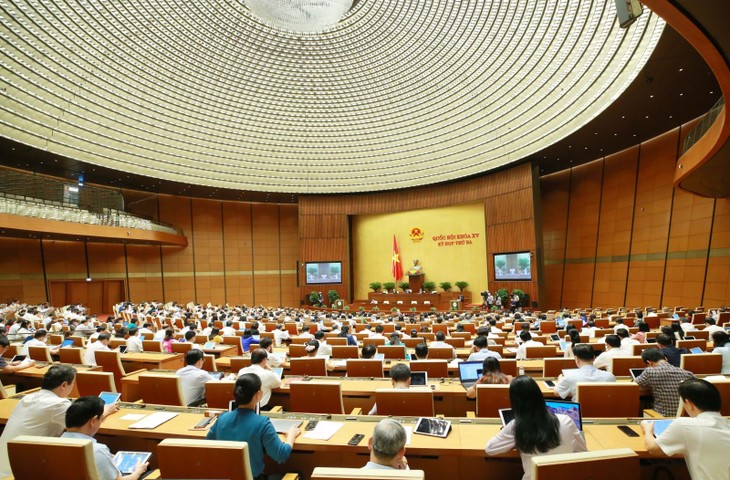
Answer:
x=635 y=372
x=122 y=349
x=67 y=343
x=419 y=379
x=469 y=372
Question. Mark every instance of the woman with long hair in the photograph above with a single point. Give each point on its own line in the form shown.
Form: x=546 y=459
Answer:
x=535 y=430
x=345 y=333
x=491 y=375
x=574 y=338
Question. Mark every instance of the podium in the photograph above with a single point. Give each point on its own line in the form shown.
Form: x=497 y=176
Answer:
x=415 y=282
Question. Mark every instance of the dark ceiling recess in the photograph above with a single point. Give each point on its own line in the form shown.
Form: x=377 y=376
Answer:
x=674 y=87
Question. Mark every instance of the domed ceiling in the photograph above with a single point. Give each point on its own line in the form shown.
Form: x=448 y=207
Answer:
x=398 y=93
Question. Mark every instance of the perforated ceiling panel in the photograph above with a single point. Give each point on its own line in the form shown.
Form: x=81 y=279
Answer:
x=399 y=93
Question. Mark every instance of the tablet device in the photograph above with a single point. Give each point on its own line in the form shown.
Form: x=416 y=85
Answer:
x=67 y=343
x=419 y=379
x=635 y=372
x=18 y=358
x=278 y=371
x=689 y=337
x=122 y=349
x=379 y=356
x=209 y=346
x=651 y=340
x=126 y=461
x=435 y=427
x=660 y=426
x=570 y=409
x=563 y=345
x=505 y=415
x=569 y=371
x=555 y=337
x=110 y=397
x=696 y=350
x=217 y=375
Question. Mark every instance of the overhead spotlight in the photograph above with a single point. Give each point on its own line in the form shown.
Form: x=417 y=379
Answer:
x=628 y=11
x=304 y=16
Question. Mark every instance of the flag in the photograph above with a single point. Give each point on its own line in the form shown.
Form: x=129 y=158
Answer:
x=396 y=267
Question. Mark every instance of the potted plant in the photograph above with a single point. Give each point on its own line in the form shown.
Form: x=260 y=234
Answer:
x=446 y=286
x=433 y=309
x=346 y=308
x=404 y=286
x=389 y=286
x=360 y=308
x=375 y=286
x=504 y=297
x=394 y=309
x=461 y=285
x=332 y=295
x=314 y=298
x=429 y=286
x=412 y=309
x=375 y=309
x=520 y=294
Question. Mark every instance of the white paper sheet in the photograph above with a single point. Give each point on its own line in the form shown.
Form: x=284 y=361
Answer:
x=154 y=420
x=323 y=431
x=132 y=416
x=409 y=433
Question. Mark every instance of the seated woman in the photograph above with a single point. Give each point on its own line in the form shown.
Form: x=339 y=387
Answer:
x=573 y=337
x=345 y=333
x=168 y=340
x=312 y=349
x=491 y=375
x=244 y=425
x=535 y=430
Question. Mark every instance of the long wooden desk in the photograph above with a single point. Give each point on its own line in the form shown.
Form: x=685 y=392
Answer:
x=459 y=456
x=152 y=360
x=32 y=377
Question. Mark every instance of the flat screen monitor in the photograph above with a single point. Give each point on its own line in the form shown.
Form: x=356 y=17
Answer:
x=512 y=266
x=318 y=273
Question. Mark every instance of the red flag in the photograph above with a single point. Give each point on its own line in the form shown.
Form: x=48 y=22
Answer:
x=396 y=267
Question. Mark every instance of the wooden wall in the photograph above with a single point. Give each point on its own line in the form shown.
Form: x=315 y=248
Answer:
x=509 y=214
x=237 y=253
x=616 y=232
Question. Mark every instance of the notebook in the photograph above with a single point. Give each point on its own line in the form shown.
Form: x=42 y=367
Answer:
x=126 y=461
x=419 y=379
x=469 y=372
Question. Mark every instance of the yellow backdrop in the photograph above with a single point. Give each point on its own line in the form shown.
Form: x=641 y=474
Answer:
x=453 y=246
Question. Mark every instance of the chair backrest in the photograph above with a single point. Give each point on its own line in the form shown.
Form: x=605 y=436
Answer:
x=152 y=345
x=541 y=352
x=35 y=457
x=640 y=347
x=373 y=341
x=440 y=327
x=219 y=393
x=161 y=389
x=548 y=326
x=411 y=342
x=40 y=354
x=297 y=350
x=209 y=363
x=455 y=342
x=552 y=367
x=117 y=342
x=393 y=351
x=312 y=366
x=608 y=399
x=316 y=397
x=508 y=366
x=434 y=368
x=337 y=473
x=6 y=393
x=337 y=341
x=622 y=365
x=237 y=363
x=428 y=336
x=414 y=402
x=701 y=363
x=212 y=459
x=490 y=398
x=446 y=353
x=345 y=351
x=181 y=347
x=689 y=344
x=365 y=368
x=464 y=335
x=93 y=383
x=234 y=340
x=72 y=355
x=111 y=362
x=602 y=465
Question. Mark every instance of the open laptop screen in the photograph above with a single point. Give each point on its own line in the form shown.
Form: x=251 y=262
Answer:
x=571 y=409
x=470 y=371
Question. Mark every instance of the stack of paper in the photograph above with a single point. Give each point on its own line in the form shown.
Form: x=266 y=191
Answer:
x=154 y=420
x=324 y=430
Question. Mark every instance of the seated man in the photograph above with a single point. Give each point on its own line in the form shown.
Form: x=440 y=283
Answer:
x=721 y=341
x=83 y=419
x=400 y=377
x=134 y=342
x=15 y=366
x=368 y=352
x=42 y=413
x=703 y=438
x=662 y=379
x=260 y=367
x=479 y=350
x=325 y=349
x=421 y=351
x=671 y=353
x=627 y=343
x=388 y=446
x=193 y=377
x=40 y=339
x=101 y=344
x=587 y=372
x=527 y=341
x=613 y=350
x=275 y=360
x=440 y=341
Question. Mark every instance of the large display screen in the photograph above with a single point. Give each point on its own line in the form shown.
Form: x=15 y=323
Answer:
x=512 y=266
x=323 y=272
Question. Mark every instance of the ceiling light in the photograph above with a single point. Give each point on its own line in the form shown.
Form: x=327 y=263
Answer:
x=304 y=16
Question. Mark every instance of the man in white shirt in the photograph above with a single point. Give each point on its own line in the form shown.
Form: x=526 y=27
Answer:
x=134 y=342
x=613 y=350
x=388 y=446
x=40 y=339
x=193 y=377
x=627 y=343
x=305 y=333
x=686 y=325
x=228 y=330
x=711 y=327
x=101 y=344
x=620 y=325
x=275 y=360
x=526 y=342
x=587 y=372
x=379 y=329
x=440 y=342
x=260 y=367
x=325 y=349
x=480 y=350
x=146 y=329
x=703 y=438
x=280 y=335
x=42 y=413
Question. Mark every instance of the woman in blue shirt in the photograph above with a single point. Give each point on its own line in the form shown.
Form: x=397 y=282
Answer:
x=345 y=332
x=245 y=425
